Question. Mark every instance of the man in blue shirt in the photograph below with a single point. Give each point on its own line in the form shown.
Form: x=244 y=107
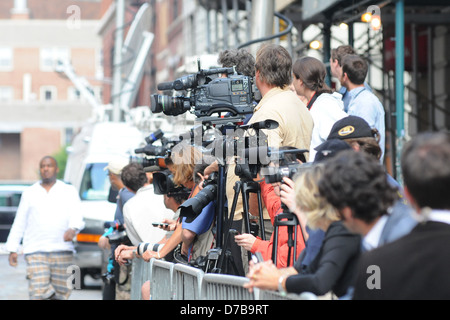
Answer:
x=363 y=102
x=337 y=54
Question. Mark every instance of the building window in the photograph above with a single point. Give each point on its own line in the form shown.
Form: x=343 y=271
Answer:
x=48 y=93
x=6 y=94
x=73 y=94
x=6 y=59
x=50 y=56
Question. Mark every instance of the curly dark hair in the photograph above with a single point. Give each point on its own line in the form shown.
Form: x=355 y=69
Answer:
x=240 y=58
x=133 y=176
x=358 y=181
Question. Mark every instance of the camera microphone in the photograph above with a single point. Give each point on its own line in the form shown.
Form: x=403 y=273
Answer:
x=165 y=86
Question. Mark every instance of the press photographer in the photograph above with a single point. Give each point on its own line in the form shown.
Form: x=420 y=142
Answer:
x=155 y=234
x=277 y=190
x=131 y=176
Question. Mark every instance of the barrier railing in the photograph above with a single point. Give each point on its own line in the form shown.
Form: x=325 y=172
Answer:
x=140 y=273
x=187 y=282
x=170 y=281
x=225 y=287
x=161 y=281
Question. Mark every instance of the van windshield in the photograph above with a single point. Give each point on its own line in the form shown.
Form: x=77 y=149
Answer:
x=95 y=183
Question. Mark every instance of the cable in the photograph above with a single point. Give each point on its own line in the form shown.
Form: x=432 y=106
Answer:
x=277 y=35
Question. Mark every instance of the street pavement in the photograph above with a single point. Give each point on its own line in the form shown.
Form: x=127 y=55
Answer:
x=14 y=285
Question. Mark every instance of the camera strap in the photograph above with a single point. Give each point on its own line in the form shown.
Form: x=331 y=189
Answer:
x=312 y=100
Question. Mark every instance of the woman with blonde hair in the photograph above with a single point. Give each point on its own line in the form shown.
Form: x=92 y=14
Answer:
x=333 y=267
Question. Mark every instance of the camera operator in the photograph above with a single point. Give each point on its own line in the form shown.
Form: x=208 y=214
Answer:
x=133 y=177
x=244 y=63
x=273 y=76
x=172 y=202
x=334 y=266
x=184 y=159
x=146 y=250
x=142 y=210
x=196 y=234
x=114 y=168
x=273 y=194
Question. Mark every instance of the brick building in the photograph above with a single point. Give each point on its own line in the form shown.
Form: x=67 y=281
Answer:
x=40 y=108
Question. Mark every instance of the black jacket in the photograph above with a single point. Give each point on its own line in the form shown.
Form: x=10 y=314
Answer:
x=334 y=266
x=415 y=266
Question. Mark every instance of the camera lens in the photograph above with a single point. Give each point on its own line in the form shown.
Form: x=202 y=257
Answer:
x=163 y=182
x=171 y=106
x=192 y=207
x=155 y=104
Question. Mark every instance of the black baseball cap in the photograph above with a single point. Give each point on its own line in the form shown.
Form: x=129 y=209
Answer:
x=350 y=127
x=329 y=149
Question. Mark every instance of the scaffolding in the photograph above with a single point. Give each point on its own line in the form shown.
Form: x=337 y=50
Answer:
x=414 y=86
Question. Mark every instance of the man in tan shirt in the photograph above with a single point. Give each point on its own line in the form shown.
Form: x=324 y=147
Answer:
x=273 y=77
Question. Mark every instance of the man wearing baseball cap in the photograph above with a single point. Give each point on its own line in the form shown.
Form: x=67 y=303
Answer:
x=399 y=221
x=358 y=134
x=114 y=169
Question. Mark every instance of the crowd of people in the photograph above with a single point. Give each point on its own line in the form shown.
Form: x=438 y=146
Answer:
x=360 y=233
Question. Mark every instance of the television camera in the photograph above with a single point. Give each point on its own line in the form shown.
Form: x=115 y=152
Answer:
x=207 y=93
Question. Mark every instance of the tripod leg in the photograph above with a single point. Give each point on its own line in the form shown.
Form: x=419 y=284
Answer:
x=245 y=217
x=237 y=189
x=261 y=215
x=275 y=242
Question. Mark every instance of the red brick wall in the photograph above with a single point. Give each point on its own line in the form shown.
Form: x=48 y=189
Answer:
x=36 y=143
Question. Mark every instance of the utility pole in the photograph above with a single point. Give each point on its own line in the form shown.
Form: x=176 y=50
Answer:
x=261 y=20
x=117 y=72
x=399 y=85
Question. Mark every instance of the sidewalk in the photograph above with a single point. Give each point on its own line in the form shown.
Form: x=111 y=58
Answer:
x=14 y=285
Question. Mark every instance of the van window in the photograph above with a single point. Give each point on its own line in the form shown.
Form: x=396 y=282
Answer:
x=10 y=199
x=95 y=183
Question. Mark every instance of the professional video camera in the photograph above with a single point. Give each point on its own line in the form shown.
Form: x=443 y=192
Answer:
x=192 y=207
x=163 y=184
x=208 y=94
x=287 y=165
x=156 y=157
x=252 y=151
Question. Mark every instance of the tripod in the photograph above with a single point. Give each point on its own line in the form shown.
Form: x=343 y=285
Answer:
x=243 y=187
x=290 y=220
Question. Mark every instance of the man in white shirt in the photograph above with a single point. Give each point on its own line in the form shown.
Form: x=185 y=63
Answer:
x=47 y=220
x=141 y=211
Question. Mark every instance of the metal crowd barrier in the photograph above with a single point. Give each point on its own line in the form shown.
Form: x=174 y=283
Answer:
x=161 y=282
x=225 y=287
x=169 y=281
x=140 y=272
x=187 y=282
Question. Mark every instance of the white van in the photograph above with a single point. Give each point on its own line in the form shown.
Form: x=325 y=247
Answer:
x=91 y=150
